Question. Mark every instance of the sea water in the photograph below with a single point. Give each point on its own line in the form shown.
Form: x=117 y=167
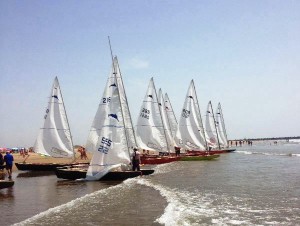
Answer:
x=255 y=185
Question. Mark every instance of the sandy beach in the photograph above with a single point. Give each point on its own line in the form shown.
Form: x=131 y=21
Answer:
x=37 y=158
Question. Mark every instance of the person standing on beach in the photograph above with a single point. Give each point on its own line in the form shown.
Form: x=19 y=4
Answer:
x=9 y=159
x=1 y=161
x=136 y=160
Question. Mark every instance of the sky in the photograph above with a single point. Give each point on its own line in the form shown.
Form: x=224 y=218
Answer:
x=244 y=54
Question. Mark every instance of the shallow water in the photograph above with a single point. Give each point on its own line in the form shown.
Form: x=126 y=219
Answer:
x=258 y=185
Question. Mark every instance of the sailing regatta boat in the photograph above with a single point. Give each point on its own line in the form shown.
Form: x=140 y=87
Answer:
x=190 y=134
x=221 y=129
x=54 y=138
x=109 y=142
x=150 y=130
x=166 y=122
x=211 y=129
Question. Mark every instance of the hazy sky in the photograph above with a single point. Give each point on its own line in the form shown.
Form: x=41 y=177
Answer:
x=244 y=54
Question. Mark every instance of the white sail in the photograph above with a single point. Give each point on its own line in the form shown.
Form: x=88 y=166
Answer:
x=171 y=116
x=125 y=107
x=110 y=149
x=190 y=134
x=166 y=122
x=55 y=139
x=221 y=127
x=150 y=130
x=210 y=127
x=99 y=120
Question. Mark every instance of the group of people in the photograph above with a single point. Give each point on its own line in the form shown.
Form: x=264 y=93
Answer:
x=8 y=159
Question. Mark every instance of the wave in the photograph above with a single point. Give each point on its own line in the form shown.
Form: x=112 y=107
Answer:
x=268 y=153
x=202 y=208
x=69 y=206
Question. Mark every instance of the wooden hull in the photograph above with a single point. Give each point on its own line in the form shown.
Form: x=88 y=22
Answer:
x=72 y=173
x=211 y=152
x=6 y=184
x=158 y=160
x=198 y=157
x=40 y=166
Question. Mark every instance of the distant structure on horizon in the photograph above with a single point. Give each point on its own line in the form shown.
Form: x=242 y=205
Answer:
x=270 y=138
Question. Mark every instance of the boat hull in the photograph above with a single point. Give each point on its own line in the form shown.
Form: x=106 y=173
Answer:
x=6 y=184
x=158 y=160
x=40 y=166
x=71 y=173
x=198 y=157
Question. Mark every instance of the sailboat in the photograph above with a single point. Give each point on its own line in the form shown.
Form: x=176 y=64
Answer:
x=54 y=138
x=171 y=116
x=166 y=123
x=111 y=146
x=190 y=135
x=213 y=140
x=220 y=123
x=150 y=130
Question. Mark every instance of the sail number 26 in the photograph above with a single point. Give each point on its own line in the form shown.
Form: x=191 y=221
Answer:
x=105 y=144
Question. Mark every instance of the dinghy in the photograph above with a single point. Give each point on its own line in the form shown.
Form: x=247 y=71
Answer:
x=153 y=133
x=220 y=123
x=6 y=183
x=110 y=142
x=54 y=138
x=191 y=136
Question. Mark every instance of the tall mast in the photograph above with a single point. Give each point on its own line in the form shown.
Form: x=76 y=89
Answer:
x=212 y=112
x=199 y=113
x=112 y=59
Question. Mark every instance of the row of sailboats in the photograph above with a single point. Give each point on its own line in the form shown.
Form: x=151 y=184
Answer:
x=112 y=137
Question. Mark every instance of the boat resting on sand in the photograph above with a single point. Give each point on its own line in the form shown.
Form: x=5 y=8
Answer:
x=154 y=160
x=198 y=157
x=41 y=166
x=211 y=152
x=75 y=172
x=6 y=183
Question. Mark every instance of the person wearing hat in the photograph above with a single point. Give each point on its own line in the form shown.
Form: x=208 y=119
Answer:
x=136 y=160
x=8 y=159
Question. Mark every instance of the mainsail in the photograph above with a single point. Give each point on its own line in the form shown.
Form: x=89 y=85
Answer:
x=221 y=127
x=150 y=134
x=190 y=134
x=210 y=127
x=166 y=122
x=171 y=116
x=99 y=119
x=110 y=147
x=125 y=107
x=55 y=138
